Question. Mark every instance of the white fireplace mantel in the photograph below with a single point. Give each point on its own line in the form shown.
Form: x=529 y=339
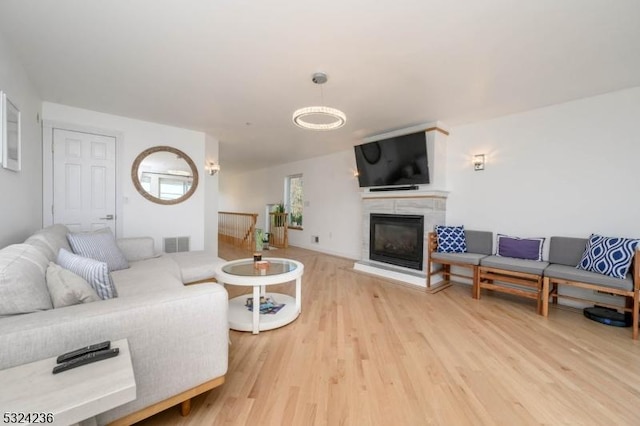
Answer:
x=404 y=194
x=425 y=201
x=429 y=204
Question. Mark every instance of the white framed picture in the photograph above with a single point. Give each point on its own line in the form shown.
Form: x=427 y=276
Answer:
x=10 y=134
x=1 y=125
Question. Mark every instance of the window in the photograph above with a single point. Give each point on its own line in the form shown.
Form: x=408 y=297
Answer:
x=293 y=199
x=172 y=188
x=145 y=181
x=165 y=188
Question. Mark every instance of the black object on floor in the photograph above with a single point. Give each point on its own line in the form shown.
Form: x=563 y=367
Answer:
x=609 y=316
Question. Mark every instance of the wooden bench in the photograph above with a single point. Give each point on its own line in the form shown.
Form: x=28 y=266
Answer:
x=520 y=277
x=564 y=254
x=479 y=245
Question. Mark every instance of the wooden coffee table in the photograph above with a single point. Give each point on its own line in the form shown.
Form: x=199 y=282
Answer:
x=243 y=273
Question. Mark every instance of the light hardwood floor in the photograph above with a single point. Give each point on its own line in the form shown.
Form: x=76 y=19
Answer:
x=366 y=351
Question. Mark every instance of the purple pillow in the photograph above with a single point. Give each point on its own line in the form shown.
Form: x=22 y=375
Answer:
x=520 y=248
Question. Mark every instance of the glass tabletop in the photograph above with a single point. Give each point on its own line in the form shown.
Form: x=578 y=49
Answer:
x=247 y=268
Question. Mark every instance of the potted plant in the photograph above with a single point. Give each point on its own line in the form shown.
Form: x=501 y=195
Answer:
x=279 y=219
x=259 y=239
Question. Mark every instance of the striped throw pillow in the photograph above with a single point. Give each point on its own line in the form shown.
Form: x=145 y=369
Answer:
x=100 y=245
x=94 y=272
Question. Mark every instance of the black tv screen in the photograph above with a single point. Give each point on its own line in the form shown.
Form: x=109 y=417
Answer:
x=395 y=161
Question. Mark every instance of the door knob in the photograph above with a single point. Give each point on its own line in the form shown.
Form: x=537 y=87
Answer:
x=109 y=217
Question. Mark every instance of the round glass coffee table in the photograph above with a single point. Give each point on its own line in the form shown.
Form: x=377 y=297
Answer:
x=242 y=316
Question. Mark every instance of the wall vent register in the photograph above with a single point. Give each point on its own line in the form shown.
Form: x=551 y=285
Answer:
x=176 y=244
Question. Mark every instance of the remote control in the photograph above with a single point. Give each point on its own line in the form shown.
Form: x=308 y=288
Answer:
x=83 y=351
x=86 y=359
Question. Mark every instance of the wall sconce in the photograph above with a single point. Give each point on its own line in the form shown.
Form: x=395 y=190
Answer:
x=478 y=162
x=212 y=168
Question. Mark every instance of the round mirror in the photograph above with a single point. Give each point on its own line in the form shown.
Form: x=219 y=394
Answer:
x=164 y=175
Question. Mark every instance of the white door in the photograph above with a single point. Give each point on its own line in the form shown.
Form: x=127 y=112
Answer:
x=84 y=180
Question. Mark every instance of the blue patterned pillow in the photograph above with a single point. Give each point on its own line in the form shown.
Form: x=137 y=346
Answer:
x=608 y=256
x=451 y=239
x=94 y=272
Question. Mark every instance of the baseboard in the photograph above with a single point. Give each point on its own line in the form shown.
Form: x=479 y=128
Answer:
x=324 y=251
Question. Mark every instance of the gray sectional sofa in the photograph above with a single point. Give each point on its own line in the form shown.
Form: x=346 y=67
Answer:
x=177 y=334
x=538 y=280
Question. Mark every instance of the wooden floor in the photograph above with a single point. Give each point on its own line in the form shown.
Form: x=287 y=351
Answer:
x=366 y=351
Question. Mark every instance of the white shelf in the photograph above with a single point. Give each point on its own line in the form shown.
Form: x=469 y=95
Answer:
x=71 y=396
x=241 y=318
x=405 y=194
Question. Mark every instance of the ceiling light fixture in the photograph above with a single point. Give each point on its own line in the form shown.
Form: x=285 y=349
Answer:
x=322 y=113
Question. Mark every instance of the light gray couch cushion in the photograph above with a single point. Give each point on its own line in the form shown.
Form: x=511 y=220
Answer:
x=196 y=265
x=466 y=258
x=512 y=264
x=67 y=288
x=137 y=248
x=23 y=288
x=566 y=250
x=147 y=277
x=50 y=240
x=566 y=272
x=99 y=246
x=479 y=241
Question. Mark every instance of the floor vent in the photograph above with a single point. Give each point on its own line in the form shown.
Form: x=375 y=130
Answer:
x=176 y=244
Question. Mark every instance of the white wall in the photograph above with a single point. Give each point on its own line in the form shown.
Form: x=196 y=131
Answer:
x=569 y=169
x=141 y=217
x=330 y=190
x=211 y=197
x=21 y=210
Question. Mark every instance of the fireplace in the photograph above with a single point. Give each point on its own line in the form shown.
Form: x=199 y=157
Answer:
x=397 y=239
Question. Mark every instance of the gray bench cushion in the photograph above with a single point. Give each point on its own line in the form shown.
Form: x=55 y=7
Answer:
x=566 y=250
x=467 y=258
x=479 y=241
x=513 y=264
x=572 y=273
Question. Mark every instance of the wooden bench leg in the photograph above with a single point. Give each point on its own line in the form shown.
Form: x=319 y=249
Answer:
x=539 y=299
x=475 y=293
x=185 y=407
x=545 y=296
x=634 y=316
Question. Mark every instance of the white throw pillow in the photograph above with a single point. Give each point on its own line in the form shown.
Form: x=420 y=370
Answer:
x=96 y=273
x=100 y=245
x=22 y=285
x=67 y=288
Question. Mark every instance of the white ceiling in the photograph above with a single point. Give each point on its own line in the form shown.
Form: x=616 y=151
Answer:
x=238 y=69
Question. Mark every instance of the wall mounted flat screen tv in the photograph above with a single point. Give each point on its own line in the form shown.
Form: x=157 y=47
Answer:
x=395 y=161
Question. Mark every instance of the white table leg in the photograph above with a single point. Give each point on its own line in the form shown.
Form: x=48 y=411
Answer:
x=256 y=309
x=299 y=294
